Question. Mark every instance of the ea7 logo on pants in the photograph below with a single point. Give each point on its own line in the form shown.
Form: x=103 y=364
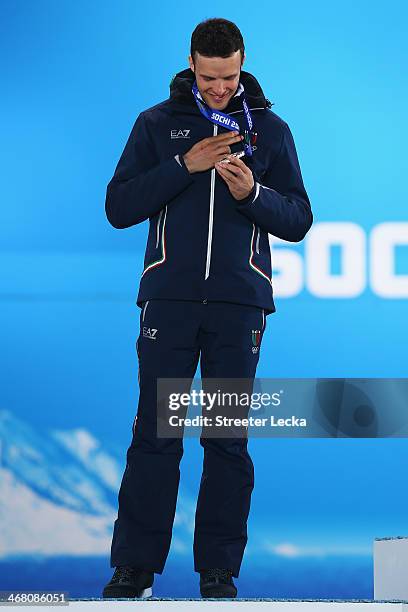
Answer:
x=179 y=134
x=150 y=332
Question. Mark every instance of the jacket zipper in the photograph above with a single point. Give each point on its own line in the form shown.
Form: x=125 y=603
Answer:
x=211 y=216
x=211 y=213
x=257 y=241
x=158 y=228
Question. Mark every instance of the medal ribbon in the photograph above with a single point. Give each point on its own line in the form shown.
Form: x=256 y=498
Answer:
x=223 y=119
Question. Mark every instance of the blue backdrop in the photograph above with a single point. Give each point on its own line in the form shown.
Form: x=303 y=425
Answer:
x=74 y=76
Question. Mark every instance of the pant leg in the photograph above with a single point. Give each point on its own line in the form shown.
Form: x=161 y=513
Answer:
x=167 y=347
x=229 y=350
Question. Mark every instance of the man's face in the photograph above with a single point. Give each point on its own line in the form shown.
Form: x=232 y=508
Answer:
x=217 y=77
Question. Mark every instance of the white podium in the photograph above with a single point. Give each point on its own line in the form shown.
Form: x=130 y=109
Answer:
x=238 y=605
x=391 y=568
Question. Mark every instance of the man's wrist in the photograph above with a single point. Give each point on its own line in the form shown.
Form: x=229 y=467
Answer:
x=185 y=161
x=248 y=198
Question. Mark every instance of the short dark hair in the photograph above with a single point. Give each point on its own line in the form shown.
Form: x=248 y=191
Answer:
x=216 y=37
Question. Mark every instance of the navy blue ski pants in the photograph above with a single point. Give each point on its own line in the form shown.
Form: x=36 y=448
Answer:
x=220 y=335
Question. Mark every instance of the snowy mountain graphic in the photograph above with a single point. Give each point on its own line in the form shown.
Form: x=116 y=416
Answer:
x=58 y=503
x=58 y=493
x=59 y=496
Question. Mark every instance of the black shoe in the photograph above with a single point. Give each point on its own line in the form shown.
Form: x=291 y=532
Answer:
x=129 y=582
x=217 y=583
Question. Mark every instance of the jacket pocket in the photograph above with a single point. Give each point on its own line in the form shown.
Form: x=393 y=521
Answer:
x=259 y=261
x=158 y=229
x=156 y=245
x=144 y=310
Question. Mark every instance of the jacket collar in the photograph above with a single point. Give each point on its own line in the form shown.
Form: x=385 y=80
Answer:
x=181 y=94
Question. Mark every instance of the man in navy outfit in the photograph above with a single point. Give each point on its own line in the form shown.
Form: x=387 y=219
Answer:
x=205 y=292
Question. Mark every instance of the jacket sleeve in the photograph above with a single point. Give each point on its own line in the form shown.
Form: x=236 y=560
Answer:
x=280 y=205
x=141 y=184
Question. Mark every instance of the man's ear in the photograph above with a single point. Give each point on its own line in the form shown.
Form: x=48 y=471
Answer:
x=191 y=63
x=243 y=58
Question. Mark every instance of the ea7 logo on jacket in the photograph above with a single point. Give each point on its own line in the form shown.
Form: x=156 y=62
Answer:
x=179 y=134
x=150 y=332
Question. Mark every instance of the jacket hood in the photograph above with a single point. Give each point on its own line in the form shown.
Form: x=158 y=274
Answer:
x=182 y=82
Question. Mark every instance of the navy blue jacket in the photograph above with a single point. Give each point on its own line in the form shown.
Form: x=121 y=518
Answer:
x=202 y=243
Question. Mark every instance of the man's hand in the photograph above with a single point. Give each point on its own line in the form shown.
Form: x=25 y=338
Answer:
x=238 y=177
x=205 y=153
